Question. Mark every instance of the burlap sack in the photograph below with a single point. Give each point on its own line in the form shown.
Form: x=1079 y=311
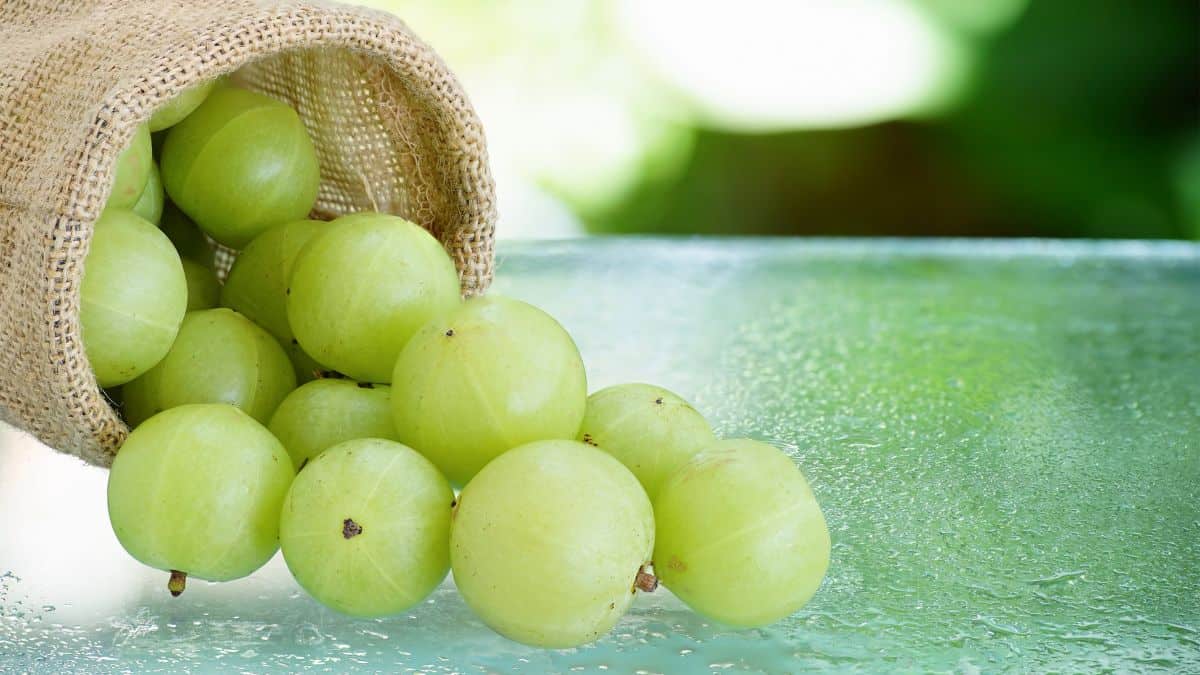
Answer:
x=393 y=129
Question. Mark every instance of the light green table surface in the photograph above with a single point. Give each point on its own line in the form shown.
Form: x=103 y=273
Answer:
x=1004 y=436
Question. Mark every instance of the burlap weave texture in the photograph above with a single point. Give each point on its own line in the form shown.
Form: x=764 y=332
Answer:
x=393 y=128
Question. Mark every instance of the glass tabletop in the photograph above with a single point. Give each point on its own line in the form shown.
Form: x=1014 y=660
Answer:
x=1004 y=437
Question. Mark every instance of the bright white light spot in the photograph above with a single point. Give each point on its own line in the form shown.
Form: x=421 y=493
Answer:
x=529 y=212
x=570 y=117
x=763 y=64
x=55 y=535
x=573 y=137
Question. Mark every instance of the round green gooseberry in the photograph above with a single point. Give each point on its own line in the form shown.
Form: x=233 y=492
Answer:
x=258 y=281
x=219 y=356
x=132 y=171
x=150 y=205
x=197 y=490
x=180 y=107
x=203 y=289
x=651 y=430
x=362 y=286
x=493 y=374
x=240 y=163
x=365 y=528
x=189 y=241
x=133 y=297
x=323 y=413
x=740 y=536
x=548 y=543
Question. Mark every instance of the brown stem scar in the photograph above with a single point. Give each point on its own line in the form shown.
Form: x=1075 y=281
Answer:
x=351 y=529
x=450 y=332
x=645 y=582
x=177 y=583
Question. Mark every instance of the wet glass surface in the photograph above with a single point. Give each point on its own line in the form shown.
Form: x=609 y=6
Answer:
x=1004 y=437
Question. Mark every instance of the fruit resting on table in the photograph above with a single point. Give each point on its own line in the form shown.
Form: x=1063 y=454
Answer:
x=569 y=505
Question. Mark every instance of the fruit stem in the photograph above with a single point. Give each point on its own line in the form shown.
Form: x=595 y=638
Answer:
x=177 y=583
x=645 y=582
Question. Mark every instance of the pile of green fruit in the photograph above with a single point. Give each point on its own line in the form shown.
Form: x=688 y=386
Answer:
x=405 y=391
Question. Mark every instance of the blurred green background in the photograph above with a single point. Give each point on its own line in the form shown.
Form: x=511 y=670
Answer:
x=1063 y=118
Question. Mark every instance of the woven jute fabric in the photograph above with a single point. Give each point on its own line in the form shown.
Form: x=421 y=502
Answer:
x=393 y=129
